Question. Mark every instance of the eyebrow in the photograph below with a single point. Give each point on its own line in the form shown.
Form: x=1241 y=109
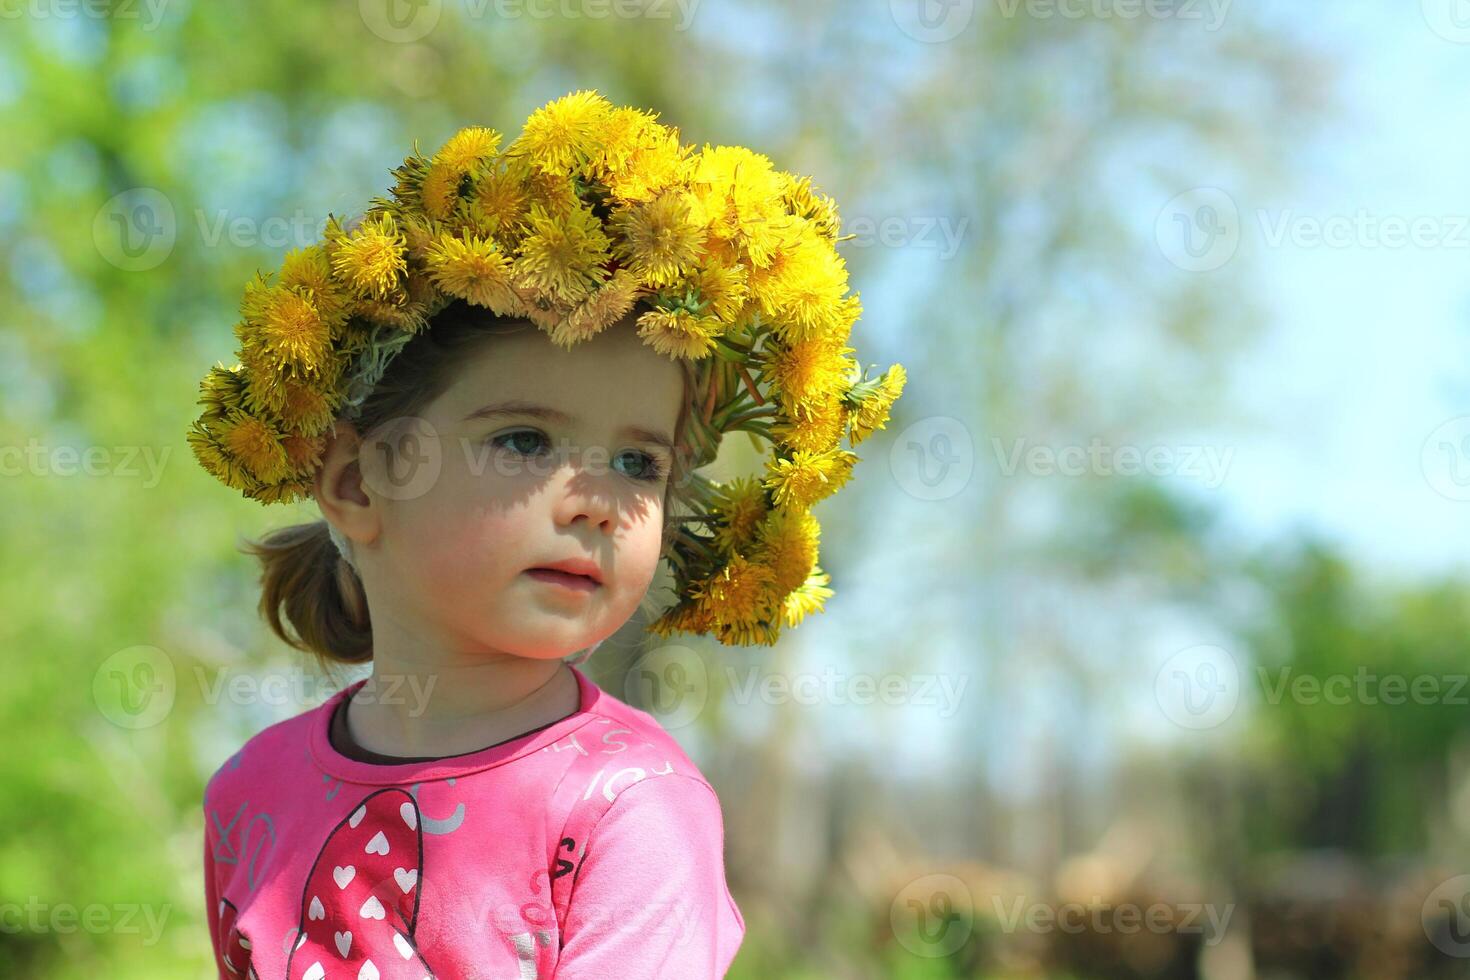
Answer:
x=507 y=409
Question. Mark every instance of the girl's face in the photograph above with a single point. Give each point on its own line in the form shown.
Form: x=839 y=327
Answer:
x=534 y=455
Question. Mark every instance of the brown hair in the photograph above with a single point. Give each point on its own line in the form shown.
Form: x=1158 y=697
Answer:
x=310 y=596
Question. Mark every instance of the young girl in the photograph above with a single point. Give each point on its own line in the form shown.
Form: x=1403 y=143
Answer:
x=496 y=388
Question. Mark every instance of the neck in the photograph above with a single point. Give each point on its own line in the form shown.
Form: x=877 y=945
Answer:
x=424 y=702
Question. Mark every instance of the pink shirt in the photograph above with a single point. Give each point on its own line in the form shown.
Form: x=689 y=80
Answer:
x=591 y=848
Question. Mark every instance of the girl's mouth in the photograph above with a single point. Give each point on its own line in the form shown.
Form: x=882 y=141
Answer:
x=578 y=583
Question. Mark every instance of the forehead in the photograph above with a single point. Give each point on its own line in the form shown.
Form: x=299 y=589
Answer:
x=613 y=378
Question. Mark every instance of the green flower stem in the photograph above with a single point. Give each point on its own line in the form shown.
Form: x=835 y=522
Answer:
x=746 y=416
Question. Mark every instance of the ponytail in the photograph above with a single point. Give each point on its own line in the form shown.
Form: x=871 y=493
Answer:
x=306 y=583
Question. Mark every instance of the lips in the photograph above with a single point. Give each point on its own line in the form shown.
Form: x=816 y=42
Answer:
x=578 y=567
x=567 y=580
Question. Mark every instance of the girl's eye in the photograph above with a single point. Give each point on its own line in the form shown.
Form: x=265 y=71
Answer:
x=534 y=438
x=528 y=442
x=649 y=468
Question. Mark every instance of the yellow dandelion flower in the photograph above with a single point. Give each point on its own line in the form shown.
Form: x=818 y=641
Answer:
x=740 y=592
x=625 y=131
x=282 y=324
x=303 y=453
x=606 y=306
x=409 y=179
x=804 y=202
x=739 y=195
x=553 y=193
x=564 y=258
x=789 y=539
x=256 y=443
x=686 y=617
x=805 y=298
x=564 y=134
x=406 y=316
x=221 y=390
x=498 y=205
x=204 y=442
x=808 y=373
x=679 y=333
x=872 y=411
x=370 y=259
x=468 y=148
x=658 y=240
x=284 y=492
x=808 y=598
x=815 y=428
x=440 y=191
x=306 y=409
x=808 y=477
x=747 y=634
x=536 y=306
x=739 y=506
x=309 y=270
x=472 y=269
x=463 y=152
x=722 y=286
x=657 y=166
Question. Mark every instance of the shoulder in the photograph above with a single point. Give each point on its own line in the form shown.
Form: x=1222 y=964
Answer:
x=624 y=764
x=280 y=746
x=683 y=802
x=622 y=745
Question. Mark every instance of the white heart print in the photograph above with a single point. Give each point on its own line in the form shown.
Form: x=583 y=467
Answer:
x=404 y=949
x=405 y=878
x=342 y=876
x=372 y=908
x=316 y=911
x=378 y=845
x=344 y=942
x=410 y=815
x=357 y=816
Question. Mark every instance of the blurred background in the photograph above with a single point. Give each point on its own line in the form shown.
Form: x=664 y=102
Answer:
x=1149 y=649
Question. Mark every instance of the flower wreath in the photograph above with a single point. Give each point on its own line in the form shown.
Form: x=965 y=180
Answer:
x=593 y=212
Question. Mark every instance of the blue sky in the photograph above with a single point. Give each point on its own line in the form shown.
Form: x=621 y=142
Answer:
x=1366 y=350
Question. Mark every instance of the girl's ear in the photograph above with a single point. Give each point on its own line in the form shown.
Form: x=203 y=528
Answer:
x=338 y=486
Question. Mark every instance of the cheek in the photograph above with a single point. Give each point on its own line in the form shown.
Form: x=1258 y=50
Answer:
x=460 y=535
x=639 y=549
